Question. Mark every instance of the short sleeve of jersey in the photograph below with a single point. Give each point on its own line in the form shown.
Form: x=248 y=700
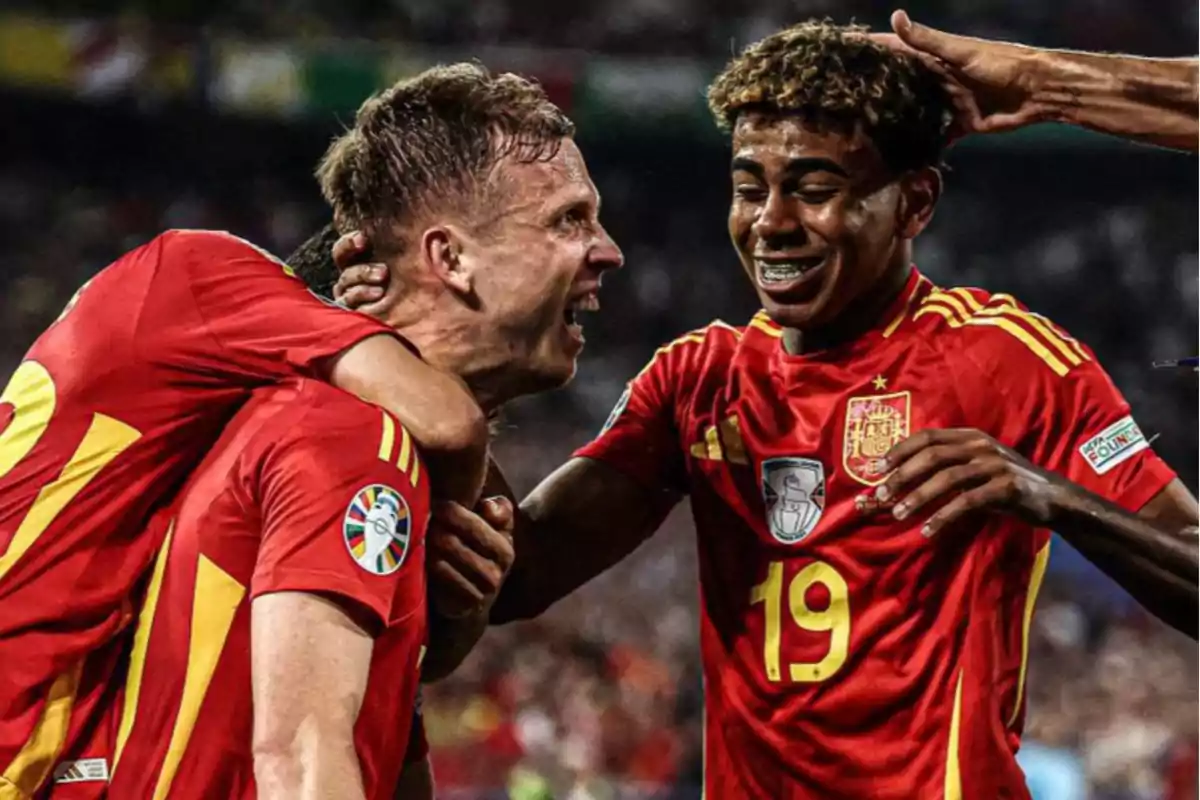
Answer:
x=640 y=437
x=266 y=322
x=344 y=506
x=1047 y=397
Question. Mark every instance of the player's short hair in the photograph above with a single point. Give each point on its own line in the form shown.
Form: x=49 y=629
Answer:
x=312 y=261
x=428 y=143
x=836 y=77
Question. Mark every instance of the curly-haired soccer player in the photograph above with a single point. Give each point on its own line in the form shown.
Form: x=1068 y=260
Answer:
x=874 y=462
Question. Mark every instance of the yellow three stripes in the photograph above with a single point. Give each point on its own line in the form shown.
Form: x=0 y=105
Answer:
x=407 y=454
x=959 y=308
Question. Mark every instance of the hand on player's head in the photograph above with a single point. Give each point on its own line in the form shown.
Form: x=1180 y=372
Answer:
x=989 y=82
x=469 y=554
x=359 y=285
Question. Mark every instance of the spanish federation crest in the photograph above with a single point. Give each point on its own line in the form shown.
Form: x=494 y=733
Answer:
x=377 y=529
x=874 y=425
x=794 y=493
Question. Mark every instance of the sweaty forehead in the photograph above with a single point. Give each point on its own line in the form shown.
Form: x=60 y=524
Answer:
x=548 y=181
x=774 y=141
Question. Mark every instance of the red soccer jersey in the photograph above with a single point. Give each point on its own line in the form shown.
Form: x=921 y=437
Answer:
x=110 y=409
x=308 y=490
x=846 y=655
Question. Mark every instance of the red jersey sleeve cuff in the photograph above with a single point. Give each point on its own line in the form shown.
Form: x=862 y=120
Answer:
x=630 y=460
x=1151 y=477
x=339 y=341
x=369 y=609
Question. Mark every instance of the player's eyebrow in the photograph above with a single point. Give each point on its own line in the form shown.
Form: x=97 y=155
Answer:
x=794 y=166
x=743 y=164
x=803 y=165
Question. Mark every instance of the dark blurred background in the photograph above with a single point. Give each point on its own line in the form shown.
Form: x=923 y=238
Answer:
x=119 y=120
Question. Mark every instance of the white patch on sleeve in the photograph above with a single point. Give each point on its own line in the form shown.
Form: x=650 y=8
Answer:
x=1114 y=445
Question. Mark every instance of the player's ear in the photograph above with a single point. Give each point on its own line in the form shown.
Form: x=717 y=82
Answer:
x=919 y=193
x=441 y=253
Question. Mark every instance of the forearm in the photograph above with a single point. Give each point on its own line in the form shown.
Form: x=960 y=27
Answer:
x=309 y=668
x=436 y=409
x=1154 y=560
x=316 y=766
x=450 y=642
x=1147 y=99
x=561 y=547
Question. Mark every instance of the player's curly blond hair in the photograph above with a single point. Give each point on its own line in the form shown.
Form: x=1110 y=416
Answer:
x=838 y=78
x=430 y=141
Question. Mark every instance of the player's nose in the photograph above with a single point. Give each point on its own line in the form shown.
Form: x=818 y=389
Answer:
x=777 y=222
x=605 y=254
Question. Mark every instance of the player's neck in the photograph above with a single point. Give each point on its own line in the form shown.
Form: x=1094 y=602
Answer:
x=860 y=317
x=456 y=347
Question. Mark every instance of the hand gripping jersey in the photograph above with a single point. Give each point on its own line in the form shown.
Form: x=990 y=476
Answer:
x=845 y=654
x=308 y=490
x=110 y=409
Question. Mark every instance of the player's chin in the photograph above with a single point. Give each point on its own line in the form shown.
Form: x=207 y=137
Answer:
x=557 y=362
x=555 y=373
x=803 y=315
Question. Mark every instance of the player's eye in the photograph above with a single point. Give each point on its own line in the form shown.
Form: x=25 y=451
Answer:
x=750 y=193
x=571 y=218
x=817 y=194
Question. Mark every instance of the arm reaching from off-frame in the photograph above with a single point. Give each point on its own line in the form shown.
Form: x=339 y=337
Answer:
x=583 y=519
x=1000 y=86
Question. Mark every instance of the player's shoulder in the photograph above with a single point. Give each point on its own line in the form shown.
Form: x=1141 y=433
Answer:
x=302 y=407
x=214 y=244
x=699 y=349
x=993 y=328
x=322 y=426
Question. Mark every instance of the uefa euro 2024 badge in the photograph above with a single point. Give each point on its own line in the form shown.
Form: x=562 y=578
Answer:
x=794 y=492
x=377 y=529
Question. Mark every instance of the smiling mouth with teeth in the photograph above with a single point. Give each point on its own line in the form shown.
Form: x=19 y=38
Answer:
x=786 y=271
x=588 y=302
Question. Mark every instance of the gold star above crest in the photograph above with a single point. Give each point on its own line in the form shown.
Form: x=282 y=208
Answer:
x=880 y=382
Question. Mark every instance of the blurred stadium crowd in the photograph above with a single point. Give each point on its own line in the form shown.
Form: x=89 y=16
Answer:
x=654 y=27
x=601 y=698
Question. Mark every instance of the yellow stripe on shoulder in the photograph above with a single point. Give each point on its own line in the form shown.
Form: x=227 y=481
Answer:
x=946 y=307
x=960 y=307
x=407 y=455
x=761 y=322
x=692 y=337
x=906 y=309
x=1005 y=305
x=388 y=438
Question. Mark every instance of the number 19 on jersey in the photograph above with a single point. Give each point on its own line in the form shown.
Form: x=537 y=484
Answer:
x=833 y=621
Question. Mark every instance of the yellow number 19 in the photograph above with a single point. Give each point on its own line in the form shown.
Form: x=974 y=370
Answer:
x=835 y=619
x=32 y=394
